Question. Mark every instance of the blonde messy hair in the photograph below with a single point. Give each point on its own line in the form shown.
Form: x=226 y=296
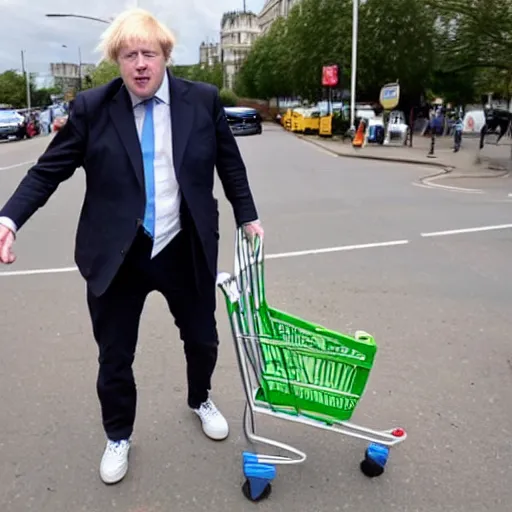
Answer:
x=135 y=25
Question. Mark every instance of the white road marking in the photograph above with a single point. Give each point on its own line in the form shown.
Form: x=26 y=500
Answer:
x=294 y=254
x=309 y=252
x=428 y=183
x=422 y=185
x=267 y=257
x=467 y=230
x=38 y=271
x=17 y=165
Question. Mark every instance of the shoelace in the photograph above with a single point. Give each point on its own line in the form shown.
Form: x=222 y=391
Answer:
x=208 y=409
x=117 y=447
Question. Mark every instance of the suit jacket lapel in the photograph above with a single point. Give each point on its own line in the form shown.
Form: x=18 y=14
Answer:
x=121 y=112
x=182 y=117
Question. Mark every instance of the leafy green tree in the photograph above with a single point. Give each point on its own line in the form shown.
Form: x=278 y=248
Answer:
x=209 y=74
x=13 y=89
x=228 y=98
x=477 y=42
x=42 y=97
x=102 y=74
x=318 y=32
x=265 y=72
x=396 y=43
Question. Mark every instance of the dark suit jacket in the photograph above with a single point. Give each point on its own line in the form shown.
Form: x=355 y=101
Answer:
x=101 y=137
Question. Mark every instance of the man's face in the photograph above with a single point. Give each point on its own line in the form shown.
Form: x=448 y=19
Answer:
x=142 y=67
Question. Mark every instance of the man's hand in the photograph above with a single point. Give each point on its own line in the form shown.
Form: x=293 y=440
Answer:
x=6 y=243
x=253 y=229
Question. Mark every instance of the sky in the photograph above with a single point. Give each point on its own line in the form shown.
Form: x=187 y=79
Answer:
x=24 y=26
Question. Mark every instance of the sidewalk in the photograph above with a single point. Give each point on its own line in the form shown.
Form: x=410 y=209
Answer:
x=492 y=159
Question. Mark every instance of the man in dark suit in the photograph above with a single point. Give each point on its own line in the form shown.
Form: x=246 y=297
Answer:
x=149 y=143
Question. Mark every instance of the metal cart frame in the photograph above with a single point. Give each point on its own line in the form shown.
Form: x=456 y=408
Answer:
x=247 y=309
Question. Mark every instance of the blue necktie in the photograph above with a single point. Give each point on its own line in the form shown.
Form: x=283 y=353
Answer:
x=148 y=156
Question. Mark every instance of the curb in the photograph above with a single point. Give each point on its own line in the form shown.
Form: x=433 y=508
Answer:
x=400 y=160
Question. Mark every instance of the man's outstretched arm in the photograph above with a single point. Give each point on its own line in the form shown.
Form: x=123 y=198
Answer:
x=57 y=164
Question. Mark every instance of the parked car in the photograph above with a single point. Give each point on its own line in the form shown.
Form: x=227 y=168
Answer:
x=12 y=125
x=244 y=120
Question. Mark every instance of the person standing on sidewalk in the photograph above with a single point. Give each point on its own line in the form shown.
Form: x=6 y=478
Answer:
x=149 y=143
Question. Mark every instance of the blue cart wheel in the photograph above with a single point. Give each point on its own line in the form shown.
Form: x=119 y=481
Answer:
x=375 y=460
x=247 y=491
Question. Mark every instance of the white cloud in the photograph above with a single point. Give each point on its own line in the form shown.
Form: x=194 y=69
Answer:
x=24 y=26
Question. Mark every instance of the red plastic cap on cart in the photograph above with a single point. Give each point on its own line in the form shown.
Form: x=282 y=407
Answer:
x=398 y=432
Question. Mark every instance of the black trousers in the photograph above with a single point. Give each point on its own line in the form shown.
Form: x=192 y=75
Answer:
x=181 y=275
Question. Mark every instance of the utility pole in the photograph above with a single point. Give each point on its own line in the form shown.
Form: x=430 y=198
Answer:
x=79 y=69
x=27 y=78
x=355 y=6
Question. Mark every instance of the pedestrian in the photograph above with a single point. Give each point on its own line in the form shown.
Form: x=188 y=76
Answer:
x=149 y=143
x=45 y=121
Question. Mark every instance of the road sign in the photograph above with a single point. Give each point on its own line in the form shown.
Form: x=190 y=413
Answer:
x=330 y=76
x=390 y=96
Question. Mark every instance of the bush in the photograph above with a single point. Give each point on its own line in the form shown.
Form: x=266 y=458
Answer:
x=339 y=125
x=228 y=98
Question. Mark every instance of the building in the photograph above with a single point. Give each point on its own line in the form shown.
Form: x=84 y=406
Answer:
x=239 y=30
x=66 y=76
x=209 y=54
x=272 y=10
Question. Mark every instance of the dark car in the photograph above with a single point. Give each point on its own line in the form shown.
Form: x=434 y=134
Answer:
x=12 y=125
x=244 y=120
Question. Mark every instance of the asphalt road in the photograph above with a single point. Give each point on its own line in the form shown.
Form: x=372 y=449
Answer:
x=438 y=304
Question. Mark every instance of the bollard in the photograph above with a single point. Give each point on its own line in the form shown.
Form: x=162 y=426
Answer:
x=432 y=144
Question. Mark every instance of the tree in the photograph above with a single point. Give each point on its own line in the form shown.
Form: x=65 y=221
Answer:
x=264 y=73
x=209 y=74
x=13 y=89
x=477 y=40
x=395 y=42
x=318 y=32
x=102 y=74
x=43 y=97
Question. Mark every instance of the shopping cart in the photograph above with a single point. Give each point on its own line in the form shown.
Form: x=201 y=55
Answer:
x=296 y=371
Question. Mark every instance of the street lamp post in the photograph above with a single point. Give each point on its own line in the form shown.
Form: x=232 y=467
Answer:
x=355 y=6
x=82 y=16
x=93 y=18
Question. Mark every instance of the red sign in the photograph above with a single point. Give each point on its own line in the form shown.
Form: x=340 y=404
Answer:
x=330 y=76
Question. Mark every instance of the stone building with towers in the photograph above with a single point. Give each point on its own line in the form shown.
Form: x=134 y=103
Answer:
x=239 y=30
x=273 y=9
x=209 y=54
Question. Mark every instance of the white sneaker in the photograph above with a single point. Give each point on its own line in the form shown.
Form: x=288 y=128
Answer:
x=114 y=463
x=215 y=425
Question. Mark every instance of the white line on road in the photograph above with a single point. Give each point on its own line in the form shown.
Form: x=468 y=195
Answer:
x=16 y=165
x=467 y=230
x=334 y=249
x=267 y=257
x=38 y=271
x=307 y=252
x=429 y=183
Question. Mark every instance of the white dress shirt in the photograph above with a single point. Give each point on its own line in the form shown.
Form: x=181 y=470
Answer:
x=167 y=192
